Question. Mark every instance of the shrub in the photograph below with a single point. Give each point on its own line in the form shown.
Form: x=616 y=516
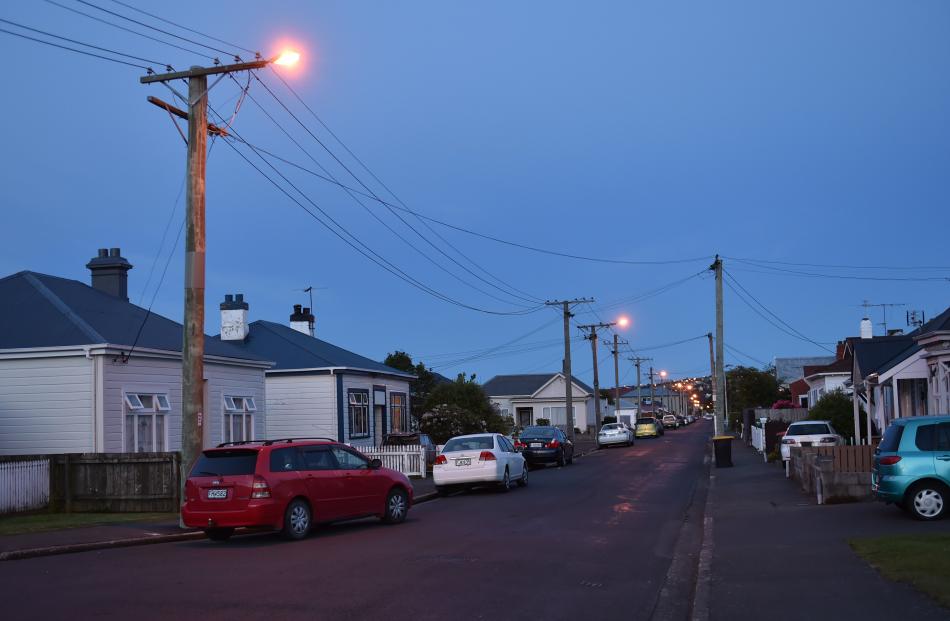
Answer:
x=543 y=422
x=837 y=407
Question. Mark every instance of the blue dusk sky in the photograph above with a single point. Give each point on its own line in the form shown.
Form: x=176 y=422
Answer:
x=792 y=138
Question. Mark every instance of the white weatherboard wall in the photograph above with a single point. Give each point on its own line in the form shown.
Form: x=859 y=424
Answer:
x=161 y=375
x=46 y=405
x=364 y=382
x=301 y=406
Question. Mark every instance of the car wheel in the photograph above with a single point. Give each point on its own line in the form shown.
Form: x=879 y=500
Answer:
x=443 y=490
x=397 y=506
x=927 y=500
x=560 y=459
x=297 y=519
x=570 y=460
x=523 y=481
x=219 y=534
x=505 y=484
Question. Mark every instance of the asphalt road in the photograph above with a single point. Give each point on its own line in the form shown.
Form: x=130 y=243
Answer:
x=593 y=540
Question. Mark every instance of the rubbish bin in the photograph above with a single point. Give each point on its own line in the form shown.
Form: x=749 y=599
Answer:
x=722 y=447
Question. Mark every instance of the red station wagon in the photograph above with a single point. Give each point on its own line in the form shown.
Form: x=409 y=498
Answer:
x=289 y=485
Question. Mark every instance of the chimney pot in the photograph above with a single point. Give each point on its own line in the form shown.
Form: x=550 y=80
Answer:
x=239 y=297
x=297 y=308
x=228 y=297
x=109 y=271
x=115 y=252
x=103 y=252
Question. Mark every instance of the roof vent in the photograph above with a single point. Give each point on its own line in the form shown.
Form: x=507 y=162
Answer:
x=110 y=273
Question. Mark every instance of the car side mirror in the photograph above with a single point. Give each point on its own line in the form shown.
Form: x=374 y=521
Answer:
x=375 y=464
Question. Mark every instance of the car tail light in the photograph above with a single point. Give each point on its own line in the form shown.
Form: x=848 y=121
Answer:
x=828 y=439
x=486 y=456
x=519 y=444
x=441 y=460
x=260 y=488
x=890 y=460
x=788 y=440
x=552 y=444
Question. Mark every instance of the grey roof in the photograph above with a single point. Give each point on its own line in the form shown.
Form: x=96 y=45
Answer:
x=938 y=324
x=291 y=350
x=522 y=385
x=788 y=370
x=871 y=355
x=39 y=310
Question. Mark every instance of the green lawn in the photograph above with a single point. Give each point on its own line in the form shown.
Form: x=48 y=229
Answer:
x=39 y=522
x=923 y=561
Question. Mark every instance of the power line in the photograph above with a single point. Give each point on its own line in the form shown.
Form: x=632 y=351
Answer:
x=121 y=27
x=773 y=269
x=634 y=350
x=745 y=355
x=377 y=217
x=167 y=21
x=351 y=240
x=143 y=24
x=790 y=330
x=854 y=267
x=95 y=47
x=72 y=49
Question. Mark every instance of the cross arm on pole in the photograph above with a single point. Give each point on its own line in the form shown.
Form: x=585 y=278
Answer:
x=212 y=128
x=198 y=71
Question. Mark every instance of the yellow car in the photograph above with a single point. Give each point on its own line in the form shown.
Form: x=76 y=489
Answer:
x=649 y=428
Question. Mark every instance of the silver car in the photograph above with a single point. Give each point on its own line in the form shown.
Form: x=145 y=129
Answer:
x=615 y=433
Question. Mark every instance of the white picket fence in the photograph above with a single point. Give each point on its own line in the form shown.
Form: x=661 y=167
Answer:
x=409 y=460
x=24 y=485
x=758 y=439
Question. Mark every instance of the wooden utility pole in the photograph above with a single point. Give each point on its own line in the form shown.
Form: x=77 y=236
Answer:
x=636 y=360
x=652 y=392
x=193 y=339
x=617 y=380
x=592 y=335
x=568 y=377
x=720 y=356
x=193 y=335
x=712 y=379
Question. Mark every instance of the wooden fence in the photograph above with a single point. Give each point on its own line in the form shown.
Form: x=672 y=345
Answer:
x=24 y=484
x=846 y=458
x=93 y=482
x=409 y=460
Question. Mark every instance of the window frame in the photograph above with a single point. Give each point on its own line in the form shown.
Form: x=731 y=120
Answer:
x=352 y=412
x=238 y=406
x=403 y=409
x=135 y=411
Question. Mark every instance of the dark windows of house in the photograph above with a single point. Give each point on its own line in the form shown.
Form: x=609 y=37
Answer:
x=397 y=406
x=358 y=413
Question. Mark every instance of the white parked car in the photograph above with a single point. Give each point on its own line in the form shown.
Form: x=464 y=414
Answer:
x=809 y=433
x=615 y=433
x=484 y=458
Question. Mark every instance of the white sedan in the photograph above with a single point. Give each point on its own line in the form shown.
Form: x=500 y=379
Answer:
x=615 y=433
x=483 y=458
x=809 y=433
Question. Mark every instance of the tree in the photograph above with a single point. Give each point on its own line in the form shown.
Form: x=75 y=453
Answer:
x=747 y=387
x=461 y=407
x=836 y=407
x=419 y=388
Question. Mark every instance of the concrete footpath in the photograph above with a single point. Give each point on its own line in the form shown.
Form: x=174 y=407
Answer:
x=776 y=554
x=125 y=534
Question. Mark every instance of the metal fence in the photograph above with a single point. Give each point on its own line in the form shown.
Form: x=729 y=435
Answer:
x=24 y=484
x=409 y=460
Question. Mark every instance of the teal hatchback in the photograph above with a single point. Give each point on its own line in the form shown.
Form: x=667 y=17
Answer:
x=912 y=466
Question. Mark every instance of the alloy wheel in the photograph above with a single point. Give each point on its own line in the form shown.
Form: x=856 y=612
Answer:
x=299 y=519
x=397 y=507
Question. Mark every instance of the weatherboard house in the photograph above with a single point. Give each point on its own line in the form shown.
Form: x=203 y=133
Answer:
x=527 y=397
x=315 y=388
x=82 y=370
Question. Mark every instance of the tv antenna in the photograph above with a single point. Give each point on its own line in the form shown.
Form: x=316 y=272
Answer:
x=883 y=306
x=310 y=290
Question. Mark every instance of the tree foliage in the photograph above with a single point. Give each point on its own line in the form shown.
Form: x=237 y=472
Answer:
x=459 y=408
x=419 y=388
x=748 y=387
x=836 y=407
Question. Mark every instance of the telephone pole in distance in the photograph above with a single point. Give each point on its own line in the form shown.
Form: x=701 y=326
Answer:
x=568 y=378
x=592 y=336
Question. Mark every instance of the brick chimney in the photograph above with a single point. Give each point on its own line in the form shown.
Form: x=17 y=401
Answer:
x=302 y=320
x=234 y=317
x=110 y=273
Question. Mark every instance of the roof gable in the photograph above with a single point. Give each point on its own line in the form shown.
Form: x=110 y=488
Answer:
x=524 y=385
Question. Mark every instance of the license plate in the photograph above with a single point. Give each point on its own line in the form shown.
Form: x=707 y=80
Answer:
x=217 y=494
x=806 y=443
x=535 y=445
x=463 y=462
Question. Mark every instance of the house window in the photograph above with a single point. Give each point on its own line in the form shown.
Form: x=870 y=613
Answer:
x=238 y=418
x=558 y=415
x=145 y=422
x=359 y=413
x=397 y=406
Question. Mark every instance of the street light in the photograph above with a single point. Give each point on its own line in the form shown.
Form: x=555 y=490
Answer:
x=287 y=58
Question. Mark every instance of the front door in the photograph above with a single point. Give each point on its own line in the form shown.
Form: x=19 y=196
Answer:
x=525 y=416
x=378 y=426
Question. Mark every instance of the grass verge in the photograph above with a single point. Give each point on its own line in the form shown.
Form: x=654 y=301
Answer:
x=922 y=561
x=42 y=522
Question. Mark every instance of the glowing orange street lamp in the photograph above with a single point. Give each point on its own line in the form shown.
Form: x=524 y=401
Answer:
x=623 y=322
x=287 y=58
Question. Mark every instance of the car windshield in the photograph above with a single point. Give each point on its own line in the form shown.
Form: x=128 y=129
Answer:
x=807 y=429
x=892 y=438
x=612 y=426
x=645 y=421
x=475 y=443
x=229 y=462
x=537 y=432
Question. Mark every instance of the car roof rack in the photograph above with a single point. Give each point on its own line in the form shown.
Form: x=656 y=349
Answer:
x=292 y=440
x=238 y=443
